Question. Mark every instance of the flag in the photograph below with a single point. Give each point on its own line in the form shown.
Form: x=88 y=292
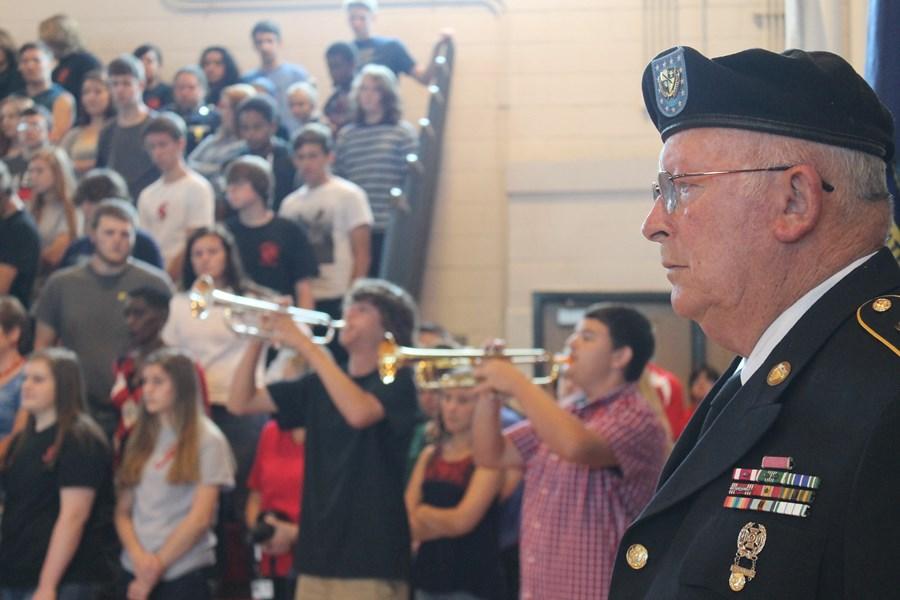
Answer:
x=883 y=74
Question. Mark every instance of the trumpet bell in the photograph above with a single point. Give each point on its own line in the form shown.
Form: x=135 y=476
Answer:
x=389 y=362
x=200 y=297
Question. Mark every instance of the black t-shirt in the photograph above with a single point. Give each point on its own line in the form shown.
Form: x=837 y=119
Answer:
x=353 y=523
x=11 y=81
x=32 y=507
x=72 y=68
x=158 y=96
x=385 y=51
x=276 y=255
x=20 y=247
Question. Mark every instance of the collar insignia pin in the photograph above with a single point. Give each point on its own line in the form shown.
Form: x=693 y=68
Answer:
x=779 y=373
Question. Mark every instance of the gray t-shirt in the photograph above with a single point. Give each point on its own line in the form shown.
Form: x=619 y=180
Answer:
x=122 y=149
x=86 y=310
x=159 y=507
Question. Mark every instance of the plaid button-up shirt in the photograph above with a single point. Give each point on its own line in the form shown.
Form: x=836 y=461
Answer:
x=573 y=516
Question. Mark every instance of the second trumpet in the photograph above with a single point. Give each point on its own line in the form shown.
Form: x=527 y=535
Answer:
x=437 y=368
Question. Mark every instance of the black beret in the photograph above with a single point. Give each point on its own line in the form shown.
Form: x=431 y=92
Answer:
x=815 y=96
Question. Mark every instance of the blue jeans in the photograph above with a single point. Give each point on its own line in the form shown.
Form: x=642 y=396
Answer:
x=67 y=591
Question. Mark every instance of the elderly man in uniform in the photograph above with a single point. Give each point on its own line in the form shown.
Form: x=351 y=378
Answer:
x=771 y=211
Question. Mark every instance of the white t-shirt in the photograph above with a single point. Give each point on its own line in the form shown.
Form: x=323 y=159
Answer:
x=169 y=210
x=329 y=213
x=210 y=342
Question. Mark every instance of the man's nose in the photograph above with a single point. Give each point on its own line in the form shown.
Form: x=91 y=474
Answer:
x=656 y=224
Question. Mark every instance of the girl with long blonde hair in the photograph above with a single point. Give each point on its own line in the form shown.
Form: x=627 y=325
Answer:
x=59 y=222
x=175 y=463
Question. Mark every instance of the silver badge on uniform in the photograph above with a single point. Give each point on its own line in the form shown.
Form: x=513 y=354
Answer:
x=670 y=77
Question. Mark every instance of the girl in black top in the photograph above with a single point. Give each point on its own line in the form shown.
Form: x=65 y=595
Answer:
x=57 y=538
x=453 y=511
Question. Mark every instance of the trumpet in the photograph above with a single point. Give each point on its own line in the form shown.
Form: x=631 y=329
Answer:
x=436 y=368
x=204 y=295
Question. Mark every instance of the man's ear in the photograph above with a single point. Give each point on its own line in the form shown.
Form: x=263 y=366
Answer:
x=799 y=203
x=621 y=357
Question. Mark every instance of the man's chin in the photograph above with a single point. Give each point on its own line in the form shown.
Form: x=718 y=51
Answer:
x=113 y=261
x=682 y=304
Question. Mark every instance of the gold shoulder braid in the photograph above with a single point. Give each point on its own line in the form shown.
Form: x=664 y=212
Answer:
x=880 y=317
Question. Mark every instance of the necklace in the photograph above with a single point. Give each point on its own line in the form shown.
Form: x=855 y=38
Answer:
x=12 y=368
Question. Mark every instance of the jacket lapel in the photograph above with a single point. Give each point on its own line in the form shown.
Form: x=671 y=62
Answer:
x=695 y=462
x=688 y=438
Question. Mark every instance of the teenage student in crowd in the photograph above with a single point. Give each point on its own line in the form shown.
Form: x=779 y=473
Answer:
x=56 y=537
x=32 y=129
x=257 y=125
x=176 y=462
x=371 y=152
x=97 y=109
x=214 y=152
x=11 y=109
x=94 y=187
x=353 y=539
x=211 y=251
x=380 y=50
x=336 y=217
x=95 y=327
x=157 y=93
x=274 y=250
x=221 y=71
x=341 y=60
x=202 y=120
x=13 y=326
x=303 y=102
x=20 y=246
x=73 y=63
x=10 y=78
x=34 y=64
x=281 y=74
x=146 y=311
x=181 y=200
x=454 y=512
x=121 y=145
x=58 y=221
x=276 y=487
x=590 y=465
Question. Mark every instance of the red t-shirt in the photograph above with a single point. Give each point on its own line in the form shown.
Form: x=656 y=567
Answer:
x=277 y=475
x=671 y=395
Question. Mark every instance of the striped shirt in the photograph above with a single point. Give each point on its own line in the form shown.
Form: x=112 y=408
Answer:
x=374 y=158
x=573 y=516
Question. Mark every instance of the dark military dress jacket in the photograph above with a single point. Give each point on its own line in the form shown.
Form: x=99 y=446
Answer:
x=823 y=519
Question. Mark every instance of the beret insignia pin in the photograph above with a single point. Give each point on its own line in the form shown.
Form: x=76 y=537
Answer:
x=671 y=83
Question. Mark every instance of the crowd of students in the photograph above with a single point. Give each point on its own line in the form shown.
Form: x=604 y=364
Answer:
x=136 y=454
x=175 y=142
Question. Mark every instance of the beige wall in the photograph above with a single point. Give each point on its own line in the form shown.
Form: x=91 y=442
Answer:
x=549 y=153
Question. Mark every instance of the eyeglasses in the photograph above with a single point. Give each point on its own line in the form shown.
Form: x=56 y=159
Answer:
x=26 y=125
x=665 y=184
